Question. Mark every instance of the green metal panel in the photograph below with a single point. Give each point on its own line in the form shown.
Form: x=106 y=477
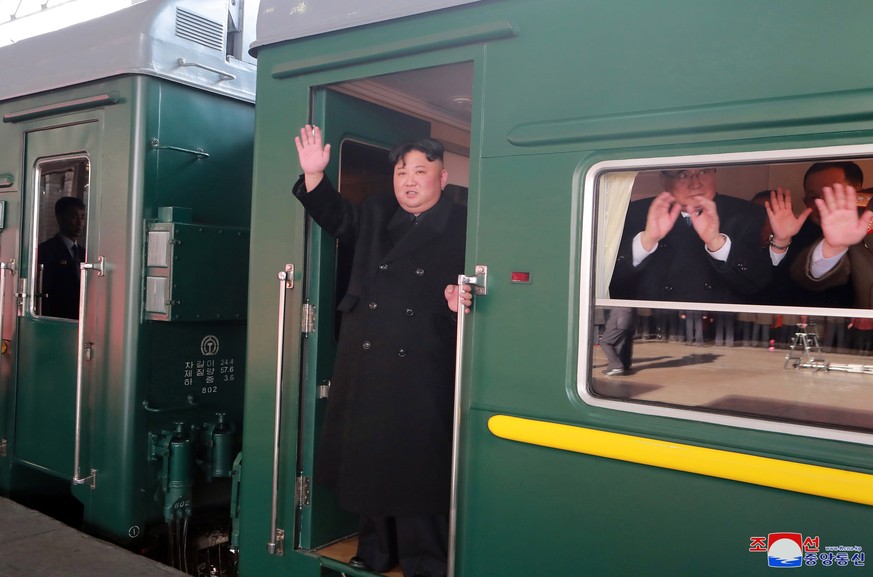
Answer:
x=573 y=514
x=180 y=282
x=580 y=83
x=217 y=187
x=278 y=239
x=192 y=367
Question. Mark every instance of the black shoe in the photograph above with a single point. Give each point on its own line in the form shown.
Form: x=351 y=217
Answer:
x=358 y=563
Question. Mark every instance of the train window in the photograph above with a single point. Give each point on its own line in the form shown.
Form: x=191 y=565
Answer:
x=59 y=234
x=705 y=308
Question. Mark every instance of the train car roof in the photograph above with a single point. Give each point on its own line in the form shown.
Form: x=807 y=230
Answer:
x=281 y=20
x=181 y=40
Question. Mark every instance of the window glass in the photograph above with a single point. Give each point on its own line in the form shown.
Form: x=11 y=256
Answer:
x=704 y=302
x=60 y=232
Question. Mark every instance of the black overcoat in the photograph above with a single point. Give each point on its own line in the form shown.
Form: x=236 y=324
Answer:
x=386 y=442
x=681 y=270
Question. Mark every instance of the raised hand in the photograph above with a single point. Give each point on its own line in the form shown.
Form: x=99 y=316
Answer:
x=840 y=222
x=660 y=219
x=312 y=154
x=783 y=223
x=704 y=219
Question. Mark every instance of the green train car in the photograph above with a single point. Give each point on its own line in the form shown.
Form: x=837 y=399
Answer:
x=122 y=366
x=717 y=460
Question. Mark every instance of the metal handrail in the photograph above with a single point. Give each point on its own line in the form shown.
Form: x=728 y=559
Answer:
x=224 y=75
x=84 y=268
x=4 y=266
x=286 y=281
x=479 y=282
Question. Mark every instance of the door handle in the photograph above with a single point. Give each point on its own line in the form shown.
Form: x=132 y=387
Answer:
x=276 y=544
x=4 y=266
x=479 y=282
x=84 y=269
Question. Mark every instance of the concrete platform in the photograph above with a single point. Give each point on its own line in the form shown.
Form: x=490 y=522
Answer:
x=33 y=544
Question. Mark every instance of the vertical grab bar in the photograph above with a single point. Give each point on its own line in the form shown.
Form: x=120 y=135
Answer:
x=4 y=266
x=84 y=267
x=275 y=546
x=479 y=282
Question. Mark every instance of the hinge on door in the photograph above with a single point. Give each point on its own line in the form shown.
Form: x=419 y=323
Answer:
x=280 y=543
x=2 y=447
x=307 y=321
x=302 y=491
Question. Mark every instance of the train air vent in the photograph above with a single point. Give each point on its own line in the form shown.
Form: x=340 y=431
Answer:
x=199 y=29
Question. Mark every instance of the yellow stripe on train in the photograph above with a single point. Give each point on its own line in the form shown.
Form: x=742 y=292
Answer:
x=786 y=475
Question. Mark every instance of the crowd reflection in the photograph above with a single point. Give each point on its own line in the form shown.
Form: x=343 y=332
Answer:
x=844 y=335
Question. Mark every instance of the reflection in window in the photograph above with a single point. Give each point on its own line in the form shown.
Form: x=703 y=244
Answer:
x=701 y=305
x=60 y=234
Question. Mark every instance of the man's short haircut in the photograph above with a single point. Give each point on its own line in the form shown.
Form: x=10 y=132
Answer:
x=431 y=148
x=65 y=203
x=851 y=171
x=763 y=195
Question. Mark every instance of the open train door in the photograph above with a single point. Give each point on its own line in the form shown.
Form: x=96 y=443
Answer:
x=361 y=135
x=51 y=388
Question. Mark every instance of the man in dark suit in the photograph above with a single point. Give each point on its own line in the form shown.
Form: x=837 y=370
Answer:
x=843 y=257
x=59 y=258
x=691 y=244
x=386 y=444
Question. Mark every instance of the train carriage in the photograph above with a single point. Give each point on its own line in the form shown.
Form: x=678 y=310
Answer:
x=207 y=316
x=719 y=460
x=131 y=403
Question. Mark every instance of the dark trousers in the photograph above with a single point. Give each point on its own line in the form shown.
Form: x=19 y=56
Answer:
x=617 y=342
x=418 y=543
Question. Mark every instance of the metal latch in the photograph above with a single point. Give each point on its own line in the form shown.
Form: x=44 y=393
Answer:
x=302 y=491
x=480 y=281
x=307 y=321
x=21 y=295
x=323 y=389
x=278 y=548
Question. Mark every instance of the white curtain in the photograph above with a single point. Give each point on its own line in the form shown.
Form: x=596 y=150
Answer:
x=613 y=200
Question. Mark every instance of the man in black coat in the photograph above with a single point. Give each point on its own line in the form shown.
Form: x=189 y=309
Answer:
x=691 y=244
x=386 y=444
x=59 y=257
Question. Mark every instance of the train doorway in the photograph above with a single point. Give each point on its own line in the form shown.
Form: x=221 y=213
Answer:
x=362 y=127
x=61 y=164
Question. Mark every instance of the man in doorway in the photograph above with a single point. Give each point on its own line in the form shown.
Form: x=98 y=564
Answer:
x=387 y=438
x=59 y=258
x=691 y=244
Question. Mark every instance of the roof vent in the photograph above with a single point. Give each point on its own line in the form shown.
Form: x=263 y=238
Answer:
x=198 y=29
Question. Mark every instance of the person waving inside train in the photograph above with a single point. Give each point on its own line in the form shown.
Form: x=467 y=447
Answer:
x=689 y=243
x=387 y=437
